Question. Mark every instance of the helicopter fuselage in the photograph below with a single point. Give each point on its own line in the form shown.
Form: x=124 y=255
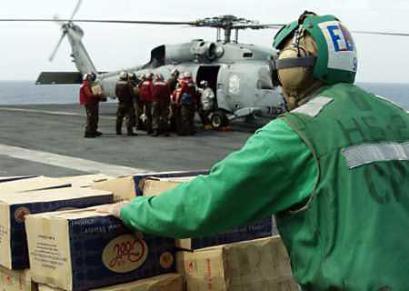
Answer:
x=239 y=74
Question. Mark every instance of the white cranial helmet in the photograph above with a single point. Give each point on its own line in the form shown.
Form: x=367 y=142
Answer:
x=123 y=75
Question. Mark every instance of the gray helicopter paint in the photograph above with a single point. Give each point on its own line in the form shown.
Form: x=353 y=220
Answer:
x=79 y=54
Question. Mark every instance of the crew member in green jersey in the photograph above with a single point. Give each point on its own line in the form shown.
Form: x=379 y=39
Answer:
x=334 y=170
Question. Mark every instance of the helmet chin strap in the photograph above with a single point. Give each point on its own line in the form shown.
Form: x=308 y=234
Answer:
x=295 y=99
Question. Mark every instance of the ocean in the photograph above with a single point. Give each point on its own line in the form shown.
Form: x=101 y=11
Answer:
x=26 y=92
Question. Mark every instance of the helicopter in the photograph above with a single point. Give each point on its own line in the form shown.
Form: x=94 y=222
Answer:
x=239 y=74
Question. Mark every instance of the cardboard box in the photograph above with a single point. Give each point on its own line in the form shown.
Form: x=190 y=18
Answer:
x=154 y=186
x=14 y=178
x=16 y=280
x=32 y=184
x=167 y=282
x=80 y=250
x=261 y=264
x=85 y=180
x=139 y=179
x=15 y=206
x=127 y=188
x=259 y=229
x=97 y=90
x=123 y=188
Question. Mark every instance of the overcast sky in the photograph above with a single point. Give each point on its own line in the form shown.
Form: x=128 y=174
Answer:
x=25 y=47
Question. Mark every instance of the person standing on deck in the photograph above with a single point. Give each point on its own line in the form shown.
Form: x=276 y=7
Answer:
x=91 y=103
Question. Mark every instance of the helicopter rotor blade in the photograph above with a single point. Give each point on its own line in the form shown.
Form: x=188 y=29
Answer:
x=381 y=33
x=258 y=26
x=77 y=7
x=197 y=23
x=194 y=23
x=51 y=58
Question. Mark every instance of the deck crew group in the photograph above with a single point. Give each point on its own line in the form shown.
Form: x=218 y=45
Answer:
x=149 y=102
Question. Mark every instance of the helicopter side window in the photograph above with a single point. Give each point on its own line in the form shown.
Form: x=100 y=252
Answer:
x=264 y=79
x=247 y=55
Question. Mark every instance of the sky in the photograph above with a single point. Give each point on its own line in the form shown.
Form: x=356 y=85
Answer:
x=25 y=47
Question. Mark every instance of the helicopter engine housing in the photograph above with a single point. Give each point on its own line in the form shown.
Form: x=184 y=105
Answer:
x=197 y=50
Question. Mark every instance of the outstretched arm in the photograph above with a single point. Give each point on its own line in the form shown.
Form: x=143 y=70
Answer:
x=272 y=172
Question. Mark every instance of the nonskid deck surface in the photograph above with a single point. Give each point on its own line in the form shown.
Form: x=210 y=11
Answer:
x=48 y=140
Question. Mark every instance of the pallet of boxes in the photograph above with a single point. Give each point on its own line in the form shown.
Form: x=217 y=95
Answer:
x=52 y=238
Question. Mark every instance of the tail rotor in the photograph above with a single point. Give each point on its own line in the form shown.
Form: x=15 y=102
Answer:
x=64 y=27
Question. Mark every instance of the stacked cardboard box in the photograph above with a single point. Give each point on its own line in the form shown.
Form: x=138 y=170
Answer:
x=85 y=180
x=12 y=280
x=15 y=206
x=78 y=250
x=261 y=264
x=127 y=188
x=166 y=282
x=123 y=188
x=83 y=249
x=13 y=178
x=31 y=184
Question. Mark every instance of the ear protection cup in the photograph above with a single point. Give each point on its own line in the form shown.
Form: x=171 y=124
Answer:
x=294 y=78
x=295 y=65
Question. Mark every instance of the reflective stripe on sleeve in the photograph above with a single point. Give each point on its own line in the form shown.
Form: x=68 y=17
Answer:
x=314 y=106
x=363 y=154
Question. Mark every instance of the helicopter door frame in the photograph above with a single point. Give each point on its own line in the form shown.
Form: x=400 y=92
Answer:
x=209 y=73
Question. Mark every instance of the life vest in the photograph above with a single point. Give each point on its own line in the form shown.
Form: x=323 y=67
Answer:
x=350 y=233
x=145 y=91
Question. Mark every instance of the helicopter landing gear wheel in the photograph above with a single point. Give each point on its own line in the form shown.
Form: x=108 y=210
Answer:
x=219 y=120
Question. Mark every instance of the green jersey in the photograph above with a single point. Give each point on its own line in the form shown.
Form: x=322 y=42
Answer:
x=335 y=172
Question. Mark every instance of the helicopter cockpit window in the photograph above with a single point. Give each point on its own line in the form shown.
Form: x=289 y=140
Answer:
x=264 y=79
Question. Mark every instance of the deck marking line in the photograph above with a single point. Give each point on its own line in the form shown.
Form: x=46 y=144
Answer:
x=14 y=109
x=67 y=161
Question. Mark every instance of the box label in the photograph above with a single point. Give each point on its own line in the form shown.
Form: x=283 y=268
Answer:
x=125 y=253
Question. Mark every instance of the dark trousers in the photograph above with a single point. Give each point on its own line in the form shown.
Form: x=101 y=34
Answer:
x=147 y=110
x=175 y=117
x=126 y=111
x=92 y=111
x=187 y=114
x=160 y=116
x=138 y=105
x=204 y=116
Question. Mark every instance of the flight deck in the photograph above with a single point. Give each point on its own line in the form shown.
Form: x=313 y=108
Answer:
x=48 y=140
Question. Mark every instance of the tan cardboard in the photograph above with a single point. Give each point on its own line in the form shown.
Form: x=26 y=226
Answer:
x=153 y=187
x=83 y=249
x=85 y=180
x=123 y=188
x=14 y=178
x=261 y=264
x=15 y=206
x=16 y=280
x=167 y=282
x=31 y=184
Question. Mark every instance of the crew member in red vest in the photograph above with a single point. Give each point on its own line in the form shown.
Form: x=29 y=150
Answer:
x=188 y=100
x=91 y=104
x=146 y=97
x=160 y=106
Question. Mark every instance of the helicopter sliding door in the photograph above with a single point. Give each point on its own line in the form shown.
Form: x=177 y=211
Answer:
x=209 y=74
